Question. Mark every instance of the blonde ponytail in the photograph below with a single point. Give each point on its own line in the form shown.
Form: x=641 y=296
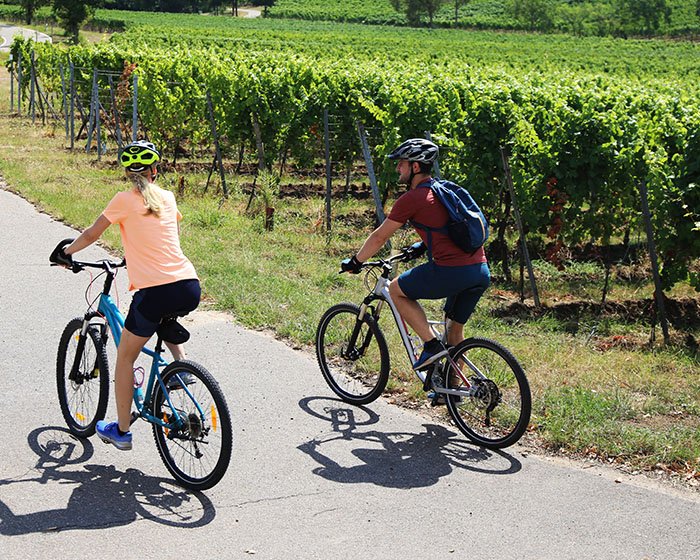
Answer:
x=151 y=197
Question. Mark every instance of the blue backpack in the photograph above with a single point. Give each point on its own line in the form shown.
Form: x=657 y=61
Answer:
x=466 y=225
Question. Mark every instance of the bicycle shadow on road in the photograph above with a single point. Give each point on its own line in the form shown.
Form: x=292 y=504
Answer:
x=102 y=497
x=394 y=459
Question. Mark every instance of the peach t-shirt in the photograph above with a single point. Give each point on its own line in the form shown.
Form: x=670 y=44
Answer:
x=151 y=243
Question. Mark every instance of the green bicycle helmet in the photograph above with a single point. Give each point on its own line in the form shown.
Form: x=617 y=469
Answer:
x=139 y=155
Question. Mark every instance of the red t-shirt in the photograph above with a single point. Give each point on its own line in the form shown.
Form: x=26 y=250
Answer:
x=419 y=204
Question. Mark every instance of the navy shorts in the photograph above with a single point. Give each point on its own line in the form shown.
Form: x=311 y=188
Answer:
x=150 y=305
x=462 y=286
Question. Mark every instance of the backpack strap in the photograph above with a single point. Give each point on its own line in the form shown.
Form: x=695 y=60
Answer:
x=429 y=230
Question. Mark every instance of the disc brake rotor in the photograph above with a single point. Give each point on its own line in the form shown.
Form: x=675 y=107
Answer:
x=485 y=393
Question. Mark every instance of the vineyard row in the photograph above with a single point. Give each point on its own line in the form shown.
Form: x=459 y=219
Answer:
x=580 y=149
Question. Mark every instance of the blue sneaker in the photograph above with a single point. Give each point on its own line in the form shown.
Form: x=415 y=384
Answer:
x=109 y=433
x=426 y=358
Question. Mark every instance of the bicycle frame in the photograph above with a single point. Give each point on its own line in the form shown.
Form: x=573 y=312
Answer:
x=472 y=377
x=108 y=310
x=381 y=292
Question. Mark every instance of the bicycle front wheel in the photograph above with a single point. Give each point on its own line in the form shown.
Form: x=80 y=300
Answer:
x=352 y=354
x=82 y=378
x=198 y=451
x=495 y=410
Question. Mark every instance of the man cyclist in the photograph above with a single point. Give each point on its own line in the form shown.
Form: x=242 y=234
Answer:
x=450 y=273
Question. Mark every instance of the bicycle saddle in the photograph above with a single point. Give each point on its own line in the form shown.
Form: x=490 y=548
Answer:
x=172 y=331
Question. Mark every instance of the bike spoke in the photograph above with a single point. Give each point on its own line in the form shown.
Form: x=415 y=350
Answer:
x=496 y=407
x=352 y=355
x=84 y=399
x=198 y=449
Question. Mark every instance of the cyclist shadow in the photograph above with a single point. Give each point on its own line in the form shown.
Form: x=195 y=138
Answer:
x=102 y=496
x=396 y=459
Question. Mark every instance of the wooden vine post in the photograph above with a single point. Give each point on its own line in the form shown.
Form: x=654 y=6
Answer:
x=519 y=224
x=372 y=177
x=94 y=114
x=115 y=114
x=658 y=291
x=370 y=172
x=64 y=103
x=32 y=83
x=12 y=86
x=329 y=186
x=71 y=93
x=215 y=136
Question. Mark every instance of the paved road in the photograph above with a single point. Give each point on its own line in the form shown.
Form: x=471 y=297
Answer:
x=310 y=476
x=8 y=32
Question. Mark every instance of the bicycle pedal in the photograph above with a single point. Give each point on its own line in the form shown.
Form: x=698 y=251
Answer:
x=428 y=383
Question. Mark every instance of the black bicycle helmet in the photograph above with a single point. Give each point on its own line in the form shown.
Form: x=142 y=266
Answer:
x=416 y=149
x=138 y=155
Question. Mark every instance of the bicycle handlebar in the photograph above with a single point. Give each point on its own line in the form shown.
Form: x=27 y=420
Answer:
x=405 y=255
x=106 y=265
x=58 y=257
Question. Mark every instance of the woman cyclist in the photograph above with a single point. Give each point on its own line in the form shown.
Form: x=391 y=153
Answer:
x=450 y=273
x=165 y=281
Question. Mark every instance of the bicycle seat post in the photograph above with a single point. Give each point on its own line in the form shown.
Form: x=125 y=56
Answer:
x=159 y=345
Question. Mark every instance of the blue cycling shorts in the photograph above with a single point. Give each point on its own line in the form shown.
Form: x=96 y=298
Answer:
x=462 y=286
x=150 y=305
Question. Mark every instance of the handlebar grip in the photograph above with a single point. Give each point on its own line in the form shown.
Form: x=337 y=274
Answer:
x=58 y=256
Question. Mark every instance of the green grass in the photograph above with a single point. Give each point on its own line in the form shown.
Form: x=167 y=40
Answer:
x=626 y=403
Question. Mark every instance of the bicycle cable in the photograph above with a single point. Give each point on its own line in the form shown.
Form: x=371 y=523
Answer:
x=93 y=279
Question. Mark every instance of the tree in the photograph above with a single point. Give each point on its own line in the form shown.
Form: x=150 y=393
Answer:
x=71 y=15
x=30 y=7
x=415 y=9
x=460 y=3
x=537 y=15
x=641 y=16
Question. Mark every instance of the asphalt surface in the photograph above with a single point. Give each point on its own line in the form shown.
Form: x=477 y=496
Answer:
x=310 y=476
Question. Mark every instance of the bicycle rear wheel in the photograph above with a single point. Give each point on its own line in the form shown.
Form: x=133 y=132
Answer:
x=497 y=411
x=356 y=372
x=197 y=453
x=82 y=378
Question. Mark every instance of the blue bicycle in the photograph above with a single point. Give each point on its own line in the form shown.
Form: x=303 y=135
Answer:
x=181 y=400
